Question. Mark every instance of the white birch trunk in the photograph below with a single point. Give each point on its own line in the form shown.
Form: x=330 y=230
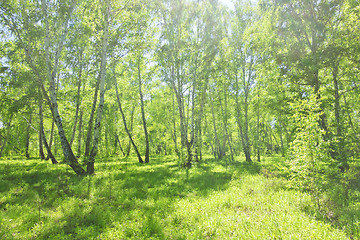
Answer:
x=90 y=164
x=68 y=153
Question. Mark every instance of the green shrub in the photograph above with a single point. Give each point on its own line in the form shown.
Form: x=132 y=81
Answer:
x=310 y=163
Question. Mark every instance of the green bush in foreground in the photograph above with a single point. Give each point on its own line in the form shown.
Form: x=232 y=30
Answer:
x=125 y=200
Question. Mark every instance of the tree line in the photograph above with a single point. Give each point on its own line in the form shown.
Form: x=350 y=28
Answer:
x=82 y=79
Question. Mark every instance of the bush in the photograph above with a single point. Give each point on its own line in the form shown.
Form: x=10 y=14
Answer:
x=310 y=163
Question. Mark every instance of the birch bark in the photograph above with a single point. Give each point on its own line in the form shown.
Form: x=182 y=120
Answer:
x=90 y=163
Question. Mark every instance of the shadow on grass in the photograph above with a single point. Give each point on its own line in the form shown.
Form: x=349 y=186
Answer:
x=80 y=207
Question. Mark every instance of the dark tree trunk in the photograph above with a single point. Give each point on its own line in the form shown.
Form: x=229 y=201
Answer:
x=117 y=140
x=51 y=134
x=80 y=134
x=128 y=149
x=91 y=121
x=341 y=154
x=2 y=144
x=51 y=71
x=124 y=121
x=47 y=147
x=147 y=151
x=41 y=128
x=27 y=140
x=43 y=138
x=322 y=121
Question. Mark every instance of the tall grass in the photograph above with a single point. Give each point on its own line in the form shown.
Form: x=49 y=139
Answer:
x=126 y=200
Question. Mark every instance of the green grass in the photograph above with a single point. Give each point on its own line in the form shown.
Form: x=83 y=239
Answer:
x=126 y=200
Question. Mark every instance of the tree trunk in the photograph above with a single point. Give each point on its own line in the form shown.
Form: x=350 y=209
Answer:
x=185 y=143
x=174 y=125
x=50 y=155
x=224 y=114
x=80 y=134
x=118 y=142
x=42 y=137
x=52 y=100
x=246 y=120
x=2 y=144
x=217 y=143
x=124 y=121
x=91 y=121
x=198 y=129
x=27 y=140
x=51 y=134
x=258 y=129
x=147 y=151
x=281 y=139
x=6 y=139
x=322 y=121
x=94 y=151
x=243 y=132
x=183 y=127
x=106 y=130
x=352 y=126
x=341 y=155
x=77 y=100
x=41 y=127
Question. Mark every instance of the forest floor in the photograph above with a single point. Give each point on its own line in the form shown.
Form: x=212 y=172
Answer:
x=160 y=200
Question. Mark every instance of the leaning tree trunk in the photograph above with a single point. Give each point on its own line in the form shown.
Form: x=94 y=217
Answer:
x=128 y=149
x=47 y=147
x=90 y=163
x=51 y=134
x=124 y=121
x=117 y=141
x=147 y=151
x=42 y=136
x=52 y=100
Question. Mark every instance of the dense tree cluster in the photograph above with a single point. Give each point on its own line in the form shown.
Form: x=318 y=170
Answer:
x=79 y=79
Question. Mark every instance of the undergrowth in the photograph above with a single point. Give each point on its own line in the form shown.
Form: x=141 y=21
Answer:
x=160 y=200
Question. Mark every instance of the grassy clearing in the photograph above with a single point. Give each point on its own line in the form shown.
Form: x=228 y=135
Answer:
x=125 y=200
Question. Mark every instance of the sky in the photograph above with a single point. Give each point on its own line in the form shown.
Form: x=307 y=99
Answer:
x=228 y=3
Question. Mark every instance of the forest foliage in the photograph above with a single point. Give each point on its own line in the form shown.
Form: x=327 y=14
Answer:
x=83 y=80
